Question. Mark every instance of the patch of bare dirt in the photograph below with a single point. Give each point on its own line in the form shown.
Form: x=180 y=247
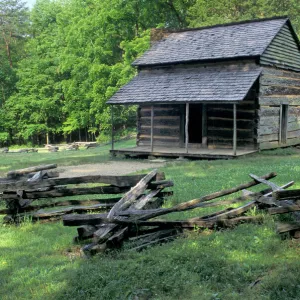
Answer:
x=108 y=168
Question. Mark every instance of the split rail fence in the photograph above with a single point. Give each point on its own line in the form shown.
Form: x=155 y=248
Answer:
x=42 y=195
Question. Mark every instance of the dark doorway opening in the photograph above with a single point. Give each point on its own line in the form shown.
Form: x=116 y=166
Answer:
x=195 y=123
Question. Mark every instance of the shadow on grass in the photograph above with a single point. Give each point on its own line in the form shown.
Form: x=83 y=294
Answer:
x=221 y=265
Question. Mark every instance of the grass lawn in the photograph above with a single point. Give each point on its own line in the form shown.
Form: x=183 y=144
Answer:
x=39 y=261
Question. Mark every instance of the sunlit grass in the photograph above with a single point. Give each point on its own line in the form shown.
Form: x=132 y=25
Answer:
x=39 y=261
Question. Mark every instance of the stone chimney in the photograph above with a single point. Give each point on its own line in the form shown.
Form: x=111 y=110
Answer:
x=158 y=34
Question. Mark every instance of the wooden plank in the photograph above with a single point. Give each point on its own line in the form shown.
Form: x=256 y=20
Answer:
x=267 y=111
x=279 y=90
x=279 y=64
x=287 y=194
x=286 y=227
x=272 y=185
x=204 y=126
x=228 y=122
x=283 y=210
x=151 y=134
x=170 y=121
x=160 y=112
x=269 y=121
x=279 y=81
x=119 y=181
x=273 y=145
x=228 y=133
x=280 y=73
x=187 y=111
x=234 y=130
x=234 y=212
x=197 y=202
x=279 y=99
x=64 y=192
x=107 y=203
x=112 y=127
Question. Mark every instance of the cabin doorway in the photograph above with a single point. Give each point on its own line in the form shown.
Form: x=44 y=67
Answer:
x=195 y=123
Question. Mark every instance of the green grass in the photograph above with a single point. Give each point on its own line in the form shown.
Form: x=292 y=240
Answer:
x=11 y=161
x=39 y=261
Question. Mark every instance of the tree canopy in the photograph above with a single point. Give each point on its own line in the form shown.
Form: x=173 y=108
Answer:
x=63 y=60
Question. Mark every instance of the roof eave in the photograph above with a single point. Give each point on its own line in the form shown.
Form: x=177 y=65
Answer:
x=200 y=61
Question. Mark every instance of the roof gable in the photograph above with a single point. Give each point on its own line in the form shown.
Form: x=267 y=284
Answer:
x=284 y=50
x=245 y=39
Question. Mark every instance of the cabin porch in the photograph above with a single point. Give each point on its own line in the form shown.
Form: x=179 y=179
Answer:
x=163 y=151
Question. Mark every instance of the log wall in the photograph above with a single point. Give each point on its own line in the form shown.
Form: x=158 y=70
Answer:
x=166 y=125
x=220 y=123
x=278 y=87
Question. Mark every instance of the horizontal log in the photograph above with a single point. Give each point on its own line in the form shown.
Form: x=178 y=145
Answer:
x=64 y=192
x=268 y=138
x=160 y=121
x=286 y=227
x=68 y=192
x=279 y=81
x=279 y=99
x=278 y=64
x=119 y=181
x=274 y=145
x=283 y=210
x=15 y=173
x=280 y=73
x=160 y=112
x=269 y=121
x=279 y=90
x=269 y=111
x=234 y=212
x=160 y=131
x=228 y=113
x=228 y=132
x=287 y=194
x=69 y=210
x=107 y=203
x=264 y=130
x=228 y=123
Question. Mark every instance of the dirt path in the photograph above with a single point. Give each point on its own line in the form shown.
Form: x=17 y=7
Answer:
x=108 y=168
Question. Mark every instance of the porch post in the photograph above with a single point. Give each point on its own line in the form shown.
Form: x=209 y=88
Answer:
x=112 y=126
x=152 y=121
x=187 y=111
x=204 y=126
x=234 y=129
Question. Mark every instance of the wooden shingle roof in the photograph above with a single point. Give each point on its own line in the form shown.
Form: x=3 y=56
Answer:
x=226 y=83
x=228 y=41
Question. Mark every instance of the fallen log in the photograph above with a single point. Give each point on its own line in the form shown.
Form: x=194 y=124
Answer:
x=16 y=173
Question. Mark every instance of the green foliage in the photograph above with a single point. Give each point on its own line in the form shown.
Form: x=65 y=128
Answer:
x=207 y=12
x=58 y=70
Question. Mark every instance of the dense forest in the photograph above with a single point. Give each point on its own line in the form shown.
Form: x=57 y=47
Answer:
x=61 y=61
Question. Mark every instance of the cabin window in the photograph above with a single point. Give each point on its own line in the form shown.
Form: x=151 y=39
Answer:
x=284 y=108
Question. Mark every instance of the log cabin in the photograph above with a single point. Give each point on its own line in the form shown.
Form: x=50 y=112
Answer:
x=216 y=92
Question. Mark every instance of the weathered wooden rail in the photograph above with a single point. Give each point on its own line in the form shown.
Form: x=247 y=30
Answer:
x=42 y=197
x=130 y=220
